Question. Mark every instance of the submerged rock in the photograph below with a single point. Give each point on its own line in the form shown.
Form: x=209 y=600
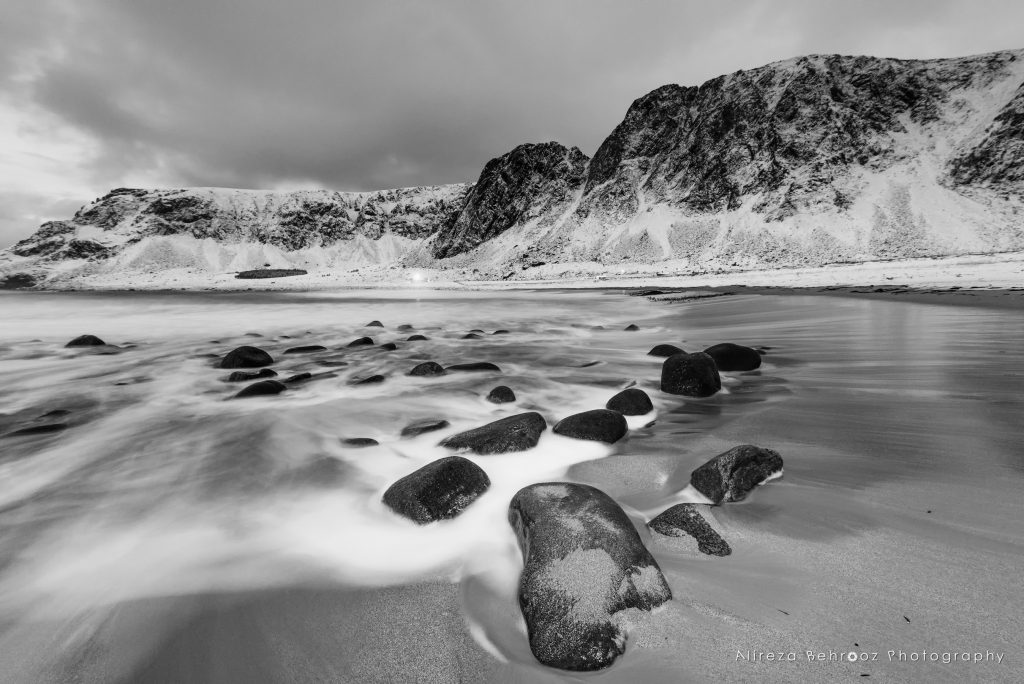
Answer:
x=405 y=327
x=359 y=442
x=262 y=388
x=244 y=376
x=501 y=395
x=501 y=331
x=477 y=366
x=597 y=425
x=665 y=350
x=39 y=429
x=374 y=324
x=690 y=375
x=691 y=519
x=307 y=349
x=437 y=491
x=584 y=565
x=361 y=342
x=246 y=357
x=631 y=327
x=427 y=368
x=388 y=346
x=734 y=357
x=471 y=336
x=515 y=433
x=298 y=377
x=371 y=380
x=416 y=338
x=730 y=476
x=631 y=402
x=422 y=426
x=86 y=341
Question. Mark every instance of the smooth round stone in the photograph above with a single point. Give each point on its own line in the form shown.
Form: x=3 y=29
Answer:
x=427 y=368
x=263 y=388
x=501 y=395
x=246 y=357
x=86 y=341
x=423 y=426
x=361 y=342
x=734 y=357
x=245 y=376
x=665 y=350
x=360 y=442
x=415 y=338
x=631 y=402
x=307 y=349
x=597 y=425
x=477 y=366
x=690 y=375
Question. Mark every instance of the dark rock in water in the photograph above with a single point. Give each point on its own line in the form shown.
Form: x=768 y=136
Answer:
x=689 y=519
x=361 y=342
x=584 y=565
x=41 y=429
x=18 y=281
x=388 y=346
x=415 y=338
x=360 y=442
x=332 y=363
x=631 y=327
x=308 y=349
x=597 y=327
x=734 y=357
x=262 y=388
x=422 y=426
x=646 y=293
x=690 y=375
x=631 y=402
x=501 y=395
x=597 y=425
x=437 y=491
x=478 y=331
x=85 y=341
x=428 y=368
x=500 y=332
x=374 y=324
x=243 y=376
x=372 y=380
x=471 y=336
x=405 y=327
x=732 y=475
x=515 y=433
x=478 y=366
x=588 y=364
x=246 y=357
x=298 y=377
x=270 y=273
x=665 y=350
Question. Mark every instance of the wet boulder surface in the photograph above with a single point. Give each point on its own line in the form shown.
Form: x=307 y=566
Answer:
x=631 y=402
x=86 y=341
x=585 y=566
x=734 y=357
x=665 y=350
x=263 y=388
x=687 y=519
x=427 y=368
x=359 y=442
x=477 y=366
x=439 y=490
x=501 y=395
x=306 y=349
x=690 y=375
x=732 y=475
x=246 y=357
x=597 y=425
x=423 y=426
x=515 y=433
x=245 y=376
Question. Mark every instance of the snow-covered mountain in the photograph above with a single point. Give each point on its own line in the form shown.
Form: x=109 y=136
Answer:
x=806 y=161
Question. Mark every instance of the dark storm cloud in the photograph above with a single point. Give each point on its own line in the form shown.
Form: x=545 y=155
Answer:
x=359 y=95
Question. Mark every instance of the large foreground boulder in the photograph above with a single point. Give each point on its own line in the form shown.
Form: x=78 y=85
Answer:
x=597 y=425
x=691 y=520
x=584 y=565
x=437 y=491
x=732 y=475
x=246 y=357
x=734 y=357
x=515 y=433
x=631 y=402
x=690 y=375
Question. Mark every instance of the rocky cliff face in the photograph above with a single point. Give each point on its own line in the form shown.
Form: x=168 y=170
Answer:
x=802 y=162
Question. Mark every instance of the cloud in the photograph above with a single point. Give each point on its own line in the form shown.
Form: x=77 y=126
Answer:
x=362 y=95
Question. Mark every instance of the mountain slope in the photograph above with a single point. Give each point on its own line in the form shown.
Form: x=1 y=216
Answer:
x=807 y=161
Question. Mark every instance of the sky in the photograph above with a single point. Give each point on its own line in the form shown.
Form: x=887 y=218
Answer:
x=98 y=94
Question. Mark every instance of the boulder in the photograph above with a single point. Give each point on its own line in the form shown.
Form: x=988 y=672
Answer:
x=471 y=336
x=86 y=341
x=631 y=402
x=360 y=442
x=631 y=327
x=437 y=491
x=597 y=425
x=427 y=368
x=262 y=388
x=585 y=565
x=500 y=332
x=515 y=433
x=730 y=476
x=388 y=346
x=734 y=357
x=405 y=327
x=415 y=338
x=690 y=375
x=501 y=395
x=422 y=426
x=244 y=376
x=308 y=349
x=298 y=377
x=374 y=324
x=477 y=331
x=246 y=357
x=478 y=366
x=665 y=350
x=361 y=342
x=691 y=519
x=371 y=380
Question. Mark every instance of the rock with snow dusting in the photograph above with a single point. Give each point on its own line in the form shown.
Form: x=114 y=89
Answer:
x=585 y=565
x=732 y=475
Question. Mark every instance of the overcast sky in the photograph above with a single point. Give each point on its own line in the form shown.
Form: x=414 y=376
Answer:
x=96 y=94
